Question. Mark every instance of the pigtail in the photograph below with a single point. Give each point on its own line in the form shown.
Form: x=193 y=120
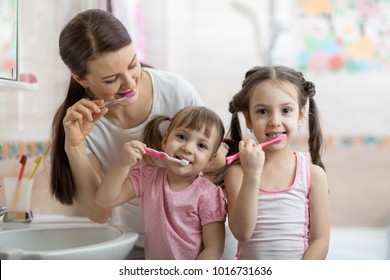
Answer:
x=315 y=131
x=315 y=134
x=235 y=133
x=152 y=135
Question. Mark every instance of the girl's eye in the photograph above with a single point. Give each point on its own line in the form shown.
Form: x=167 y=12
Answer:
x=262 y=111
x=202 y=146
x=287 y=110
x=180 y=137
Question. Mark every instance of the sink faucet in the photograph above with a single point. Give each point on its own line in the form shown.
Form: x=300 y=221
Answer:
x=2 y=210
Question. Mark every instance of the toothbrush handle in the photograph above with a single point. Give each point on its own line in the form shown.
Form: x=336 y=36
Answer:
x=232 y=158
x=157 y=154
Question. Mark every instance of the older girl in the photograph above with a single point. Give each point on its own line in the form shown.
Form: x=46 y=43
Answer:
x=277 y=197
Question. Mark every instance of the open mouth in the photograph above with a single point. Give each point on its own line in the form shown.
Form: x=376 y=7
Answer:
x=181 y=158
x=128 y=94
x=273 y=135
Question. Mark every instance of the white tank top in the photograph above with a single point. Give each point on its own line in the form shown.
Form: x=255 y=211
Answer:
x=282 y=227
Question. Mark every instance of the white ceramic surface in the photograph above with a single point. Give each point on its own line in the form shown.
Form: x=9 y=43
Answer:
x=65 y=238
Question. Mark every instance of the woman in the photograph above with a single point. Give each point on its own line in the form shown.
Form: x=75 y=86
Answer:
x=87 y=140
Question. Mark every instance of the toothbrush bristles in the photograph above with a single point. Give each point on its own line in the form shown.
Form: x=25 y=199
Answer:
x=180 y=161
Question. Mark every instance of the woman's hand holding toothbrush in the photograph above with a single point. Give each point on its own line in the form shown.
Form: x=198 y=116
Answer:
x=80 y=119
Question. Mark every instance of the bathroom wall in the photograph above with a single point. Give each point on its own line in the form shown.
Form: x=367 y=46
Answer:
x=212 y=44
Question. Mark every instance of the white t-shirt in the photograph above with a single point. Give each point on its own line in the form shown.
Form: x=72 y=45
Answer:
x=170 y=94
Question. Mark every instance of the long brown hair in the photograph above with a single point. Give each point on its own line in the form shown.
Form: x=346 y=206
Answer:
x=86 y=36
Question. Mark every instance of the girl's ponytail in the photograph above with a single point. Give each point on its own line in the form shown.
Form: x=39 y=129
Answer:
x=315 y=131
x=150 y=137
x=315 y=134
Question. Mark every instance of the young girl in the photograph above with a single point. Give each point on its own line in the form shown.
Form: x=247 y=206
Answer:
x=277 y=198
x=184 y=212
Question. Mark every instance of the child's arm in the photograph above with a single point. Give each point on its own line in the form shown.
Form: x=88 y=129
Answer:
x=115 y=187
x=319 y=215
x=242 y=184
x=213 y=241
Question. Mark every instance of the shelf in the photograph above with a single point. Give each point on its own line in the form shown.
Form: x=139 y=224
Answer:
x=18 y=85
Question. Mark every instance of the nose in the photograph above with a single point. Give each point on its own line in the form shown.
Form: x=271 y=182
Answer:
x=275 y=120
x=129 y=82
x=187 y=148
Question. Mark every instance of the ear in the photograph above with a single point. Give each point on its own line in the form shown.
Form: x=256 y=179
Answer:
x=248 y=120
x=213 y=157
x=301 y=117
x=78 y=80
x=164 y=140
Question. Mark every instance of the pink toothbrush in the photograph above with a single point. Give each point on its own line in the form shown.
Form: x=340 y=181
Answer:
x=126 y=95
x=231 y=158
x=164 y=156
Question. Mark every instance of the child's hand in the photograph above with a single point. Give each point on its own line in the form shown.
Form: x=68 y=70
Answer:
x=132 y=152
x=251 y=156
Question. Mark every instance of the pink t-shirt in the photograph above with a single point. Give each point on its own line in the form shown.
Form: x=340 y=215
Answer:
x=174 y=219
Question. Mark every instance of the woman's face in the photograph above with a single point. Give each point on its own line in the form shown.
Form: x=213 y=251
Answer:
x=111 y=75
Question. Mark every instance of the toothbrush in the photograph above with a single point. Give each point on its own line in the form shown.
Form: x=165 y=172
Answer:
x=37 y=161
x=231 y=158
x=164 y=156
x=125 y=96
x=23 y=161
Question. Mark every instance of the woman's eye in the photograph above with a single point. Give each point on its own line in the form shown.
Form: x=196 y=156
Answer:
x=110 y=81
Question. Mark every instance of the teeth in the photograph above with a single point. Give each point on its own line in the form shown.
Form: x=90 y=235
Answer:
x=273 y=135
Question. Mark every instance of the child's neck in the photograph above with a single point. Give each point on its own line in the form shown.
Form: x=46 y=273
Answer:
x=279 y=169
x=178 y=183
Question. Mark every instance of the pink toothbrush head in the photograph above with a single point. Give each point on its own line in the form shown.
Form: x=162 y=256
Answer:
x=164 y=156
x=232 y=158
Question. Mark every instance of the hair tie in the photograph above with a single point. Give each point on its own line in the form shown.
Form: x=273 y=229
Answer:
x=171 y=118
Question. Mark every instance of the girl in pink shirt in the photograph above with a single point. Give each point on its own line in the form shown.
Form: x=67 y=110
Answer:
x=184 y=212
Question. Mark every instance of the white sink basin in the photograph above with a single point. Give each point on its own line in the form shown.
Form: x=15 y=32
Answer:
x=65 y=238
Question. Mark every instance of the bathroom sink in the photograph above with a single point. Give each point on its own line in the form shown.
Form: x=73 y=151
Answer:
x=65 y=239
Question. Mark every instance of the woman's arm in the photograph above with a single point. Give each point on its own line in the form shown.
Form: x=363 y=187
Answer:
x=86 y=174
x=213 y=241
x=242 y=184
x=319 y=215
x=86 y=170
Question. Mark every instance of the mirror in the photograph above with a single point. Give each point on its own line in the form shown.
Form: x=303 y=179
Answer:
x=9 y=39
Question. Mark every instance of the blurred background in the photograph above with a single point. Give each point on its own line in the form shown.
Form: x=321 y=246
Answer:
x=342 y=46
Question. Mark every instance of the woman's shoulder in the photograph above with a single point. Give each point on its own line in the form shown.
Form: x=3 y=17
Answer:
x=162 y=75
